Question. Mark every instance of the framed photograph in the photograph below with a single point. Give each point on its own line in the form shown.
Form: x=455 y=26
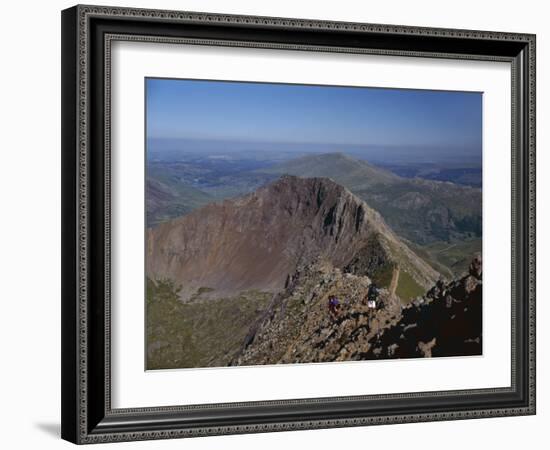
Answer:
x=279 y=224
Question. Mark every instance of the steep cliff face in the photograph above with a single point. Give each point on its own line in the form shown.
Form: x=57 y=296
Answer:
x=258 y=241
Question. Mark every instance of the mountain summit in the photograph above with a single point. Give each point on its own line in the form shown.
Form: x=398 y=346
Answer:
x=344 y=169
x=258 y=241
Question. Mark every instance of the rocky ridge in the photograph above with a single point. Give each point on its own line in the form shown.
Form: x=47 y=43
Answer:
x=298 y=328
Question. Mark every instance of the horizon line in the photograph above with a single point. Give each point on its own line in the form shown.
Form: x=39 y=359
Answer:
x=253 y=141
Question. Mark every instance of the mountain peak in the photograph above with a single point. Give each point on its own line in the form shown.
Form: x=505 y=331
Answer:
x=331 y=157
x=338 y=166
x=304 y=185
x=257 y=241
x=422 y=211
x=337 y=156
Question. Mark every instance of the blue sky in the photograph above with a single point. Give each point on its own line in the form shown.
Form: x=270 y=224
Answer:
x=265 y=112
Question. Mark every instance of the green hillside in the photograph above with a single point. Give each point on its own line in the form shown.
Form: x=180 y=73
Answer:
x=200 y=333
x=168 y=199
x=449 y=259
x=343 y=169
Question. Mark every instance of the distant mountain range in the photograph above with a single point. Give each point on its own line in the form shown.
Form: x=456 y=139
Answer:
x=464 y=174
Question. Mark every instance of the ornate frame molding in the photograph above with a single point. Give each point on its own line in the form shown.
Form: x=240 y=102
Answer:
x=80 y=418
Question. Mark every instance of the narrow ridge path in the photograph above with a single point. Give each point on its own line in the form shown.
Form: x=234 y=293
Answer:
x=394 y=280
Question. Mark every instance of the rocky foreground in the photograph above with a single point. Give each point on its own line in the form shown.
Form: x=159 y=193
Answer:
x=298 y=328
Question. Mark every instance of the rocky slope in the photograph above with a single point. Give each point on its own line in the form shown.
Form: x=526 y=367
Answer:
x=258 y=241
x=298 y=328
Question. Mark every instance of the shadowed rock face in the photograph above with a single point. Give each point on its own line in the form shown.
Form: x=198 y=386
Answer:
x=258 y=241
x=446 y=322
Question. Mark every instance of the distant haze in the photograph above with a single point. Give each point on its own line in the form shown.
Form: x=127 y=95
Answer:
x=281 y=121
x=167 y=149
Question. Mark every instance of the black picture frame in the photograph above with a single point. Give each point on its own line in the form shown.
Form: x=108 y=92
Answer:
x=87 y=416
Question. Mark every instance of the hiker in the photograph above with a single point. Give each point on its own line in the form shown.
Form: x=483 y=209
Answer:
x=333 y=305
x=372 y=295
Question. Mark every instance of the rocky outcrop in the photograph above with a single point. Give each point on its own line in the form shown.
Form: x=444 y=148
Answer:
x=298 y=327
x=446 y=322
x=257 y=241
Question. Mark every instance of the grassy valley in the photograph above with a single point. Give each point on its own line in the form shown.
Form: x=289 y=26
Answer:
x=454 y=256
x=197 y=333
x=167 y=199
